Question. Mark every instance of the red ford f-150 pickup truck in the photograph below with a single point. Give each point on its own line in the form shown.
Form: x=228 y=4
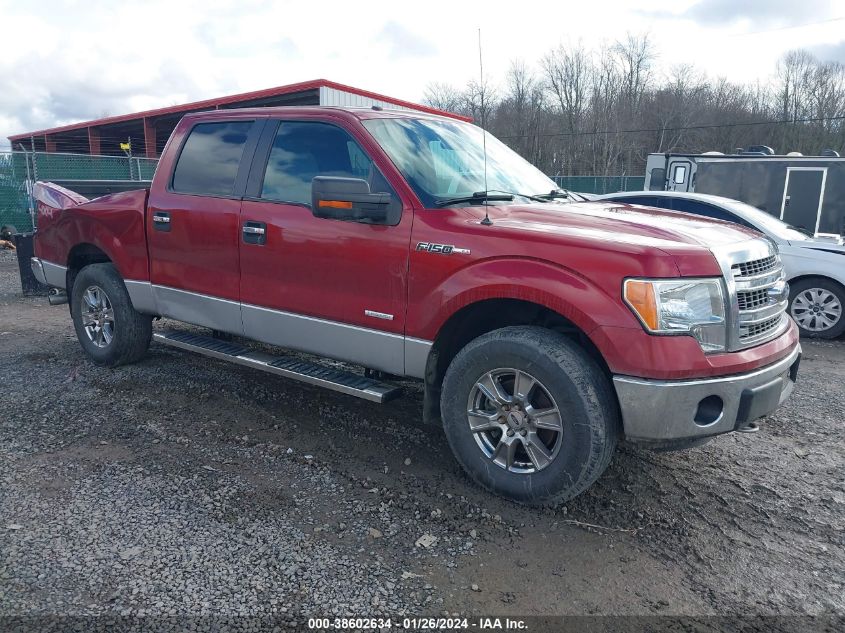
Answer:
x=544 y=330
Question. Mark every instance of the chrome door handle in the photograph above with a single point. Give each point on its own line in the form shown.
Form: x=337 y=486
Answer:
x=254 y=232
x=161 y=221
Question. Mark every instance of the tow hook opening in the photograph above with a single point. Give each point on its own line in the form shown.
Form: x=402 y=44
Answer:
x=709 y=411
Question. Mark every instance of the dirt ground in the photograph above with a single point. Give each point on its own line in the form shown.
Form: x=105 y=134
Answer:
x=179 y=459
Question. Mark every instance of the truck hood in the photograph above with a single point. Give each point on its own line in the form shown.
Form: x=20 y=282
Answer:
x=622 y=223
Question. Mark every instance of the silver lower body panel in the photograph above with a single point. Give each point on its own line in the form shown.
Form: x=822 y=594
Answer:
x=49 y=273
x=660 y=410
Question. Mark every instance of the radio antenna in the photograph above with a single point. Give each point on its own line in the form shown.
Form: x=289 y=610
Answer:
x=486 y=221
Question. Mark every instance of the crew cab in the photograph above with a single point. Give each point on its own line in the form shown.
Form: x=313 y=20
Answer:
x=412 y=246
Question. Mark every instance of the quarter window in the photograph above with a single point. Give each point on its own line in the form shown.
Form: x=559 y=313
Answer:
x=303 y=150
x=210 y=158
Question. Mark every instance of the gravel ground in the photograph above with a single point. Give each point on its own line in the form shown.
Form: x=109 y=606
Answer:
x=185 y=486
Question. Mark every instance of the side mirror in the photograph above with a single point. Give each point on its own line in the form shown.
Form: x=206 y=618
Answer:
x=349 y=199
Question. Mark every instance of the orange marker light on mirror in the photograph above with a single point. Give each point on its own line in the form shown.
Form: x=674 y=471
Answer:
x=335 y=204
x=639 y=295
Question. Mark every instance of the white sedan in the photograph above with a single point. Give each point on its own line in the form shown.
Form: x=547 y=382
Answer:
x=815 y=266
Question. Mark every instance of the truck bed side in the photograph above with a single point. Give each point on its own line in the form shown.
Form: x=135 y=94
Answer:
x=110 y=227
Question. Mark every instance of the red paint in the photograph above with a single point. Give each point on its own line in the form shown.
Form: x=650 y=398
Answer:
x=150 y=138
x=93 y=141
x=114 y=224
x=571 y=258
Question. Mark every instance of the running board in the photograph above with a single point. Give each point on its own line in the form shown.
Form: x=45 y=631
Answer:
x=294 y=368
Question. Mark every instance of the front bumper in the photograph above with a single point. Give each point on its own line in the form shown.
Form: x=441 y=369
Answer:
x=662 y=410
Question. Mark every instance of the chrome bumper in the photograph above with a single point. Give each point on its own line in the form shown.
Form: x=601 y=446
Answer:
x=48 y=272
x=660 y=410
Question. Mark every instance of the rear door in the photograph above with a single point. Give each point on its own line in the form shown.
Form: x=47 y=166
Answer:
x=680 y=174
x=193 y=223
x=803 y=197
x=325 y=286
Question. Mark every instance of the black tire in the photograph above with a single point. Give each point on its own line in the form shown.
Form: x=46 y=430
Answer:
x=131 y=331
x=577 y=386
x=801 y=293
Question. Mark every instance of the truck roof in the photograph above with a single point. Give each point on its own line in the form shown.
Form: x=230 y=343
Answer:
x=360 y=113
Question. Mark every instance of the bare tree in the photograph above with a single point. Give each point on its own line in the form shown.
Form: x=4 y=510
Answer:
x=602 y=111
x=443 y=96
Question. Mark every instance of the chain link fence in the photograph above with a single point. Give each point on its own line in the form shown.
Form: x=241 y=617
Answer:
x=600 y=184
x=19 y=170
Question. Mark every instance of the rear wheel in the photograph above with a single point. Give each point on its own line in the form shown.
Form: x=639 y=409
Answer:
x=529 y=415
x=109 y=329
x=817 y=306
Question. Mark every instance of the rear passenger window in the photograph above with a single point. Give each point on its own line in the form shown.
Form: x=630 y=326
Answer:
x=210 y=158
x=704 y=210
x=649 y=201
x=303 y=150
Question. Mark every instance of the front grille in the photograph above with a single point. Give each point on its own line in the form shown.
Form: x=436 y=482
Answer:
x=755 y=267
x=757 y=330
x=752 y=299
x=756 y=283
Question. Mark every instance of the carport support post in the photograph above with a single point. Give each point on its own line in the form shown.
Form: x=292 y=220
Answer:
x=94 y=141
x=149 y=138
x=49 y=144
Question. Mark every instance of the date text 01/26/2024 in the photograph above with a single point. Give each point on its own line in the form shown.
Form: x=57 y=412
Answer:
x=417 y=624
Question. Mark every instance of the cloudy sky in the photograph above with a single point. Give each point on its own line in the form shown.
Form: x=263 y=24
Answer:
x=73 y=60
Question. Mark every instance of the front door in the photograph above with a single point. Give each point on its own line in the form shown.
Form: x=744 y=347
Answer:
x=329 y=287
x=193 y=226
x=803 y=197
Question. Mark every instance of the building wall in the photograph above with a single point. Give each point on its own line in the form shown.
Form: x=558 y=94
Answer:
x=334 y=97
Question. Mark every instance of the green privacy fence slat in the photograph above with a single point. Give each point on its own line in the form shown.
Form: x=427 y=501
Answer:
x=600 y=184
x=14 y=196
x=18 y=170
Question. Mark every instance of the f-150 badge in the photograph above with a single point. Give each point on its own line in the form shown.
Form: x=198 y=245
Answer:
x=443 y=249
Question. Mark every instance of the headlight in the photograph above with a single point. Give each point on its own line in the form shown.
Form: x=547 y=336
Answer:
x=680 y=306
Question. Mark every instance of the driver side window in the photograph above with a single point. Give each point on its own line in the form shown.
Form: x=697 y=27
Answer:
x=305 y=149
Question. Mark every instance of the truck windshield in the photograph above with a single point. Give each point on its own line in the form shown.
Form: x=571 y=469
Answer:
x=444 y=160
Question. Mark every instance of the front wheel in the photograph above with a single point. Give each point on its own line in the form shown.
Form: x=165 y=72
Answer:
x=817 y=304
x=529 y=415
x=109 y=329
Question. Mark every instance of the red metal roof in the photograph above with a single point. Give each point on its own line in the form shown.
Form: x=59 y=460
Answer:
x=246 y=96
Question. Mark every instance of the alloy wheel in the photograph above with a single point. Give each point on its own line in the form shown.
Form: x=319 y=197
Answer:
x=97 y=316
x=816 y=309
x=515 y=421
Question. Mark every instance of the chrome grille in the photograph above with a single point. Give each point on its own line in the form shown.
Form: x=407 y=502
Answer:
x=757 y=291
x=752 y=299
x=757 y=330
x=755 y=266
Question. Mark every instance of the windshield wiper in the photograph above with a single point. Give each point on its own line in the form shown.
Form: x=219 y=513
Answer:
x=553 y=194
x=801 y=229
x=478 y=196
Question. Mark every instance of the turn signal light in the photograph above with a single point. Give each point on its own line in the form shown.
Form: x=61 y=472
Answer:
x=335 y=204
x=640 y=296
